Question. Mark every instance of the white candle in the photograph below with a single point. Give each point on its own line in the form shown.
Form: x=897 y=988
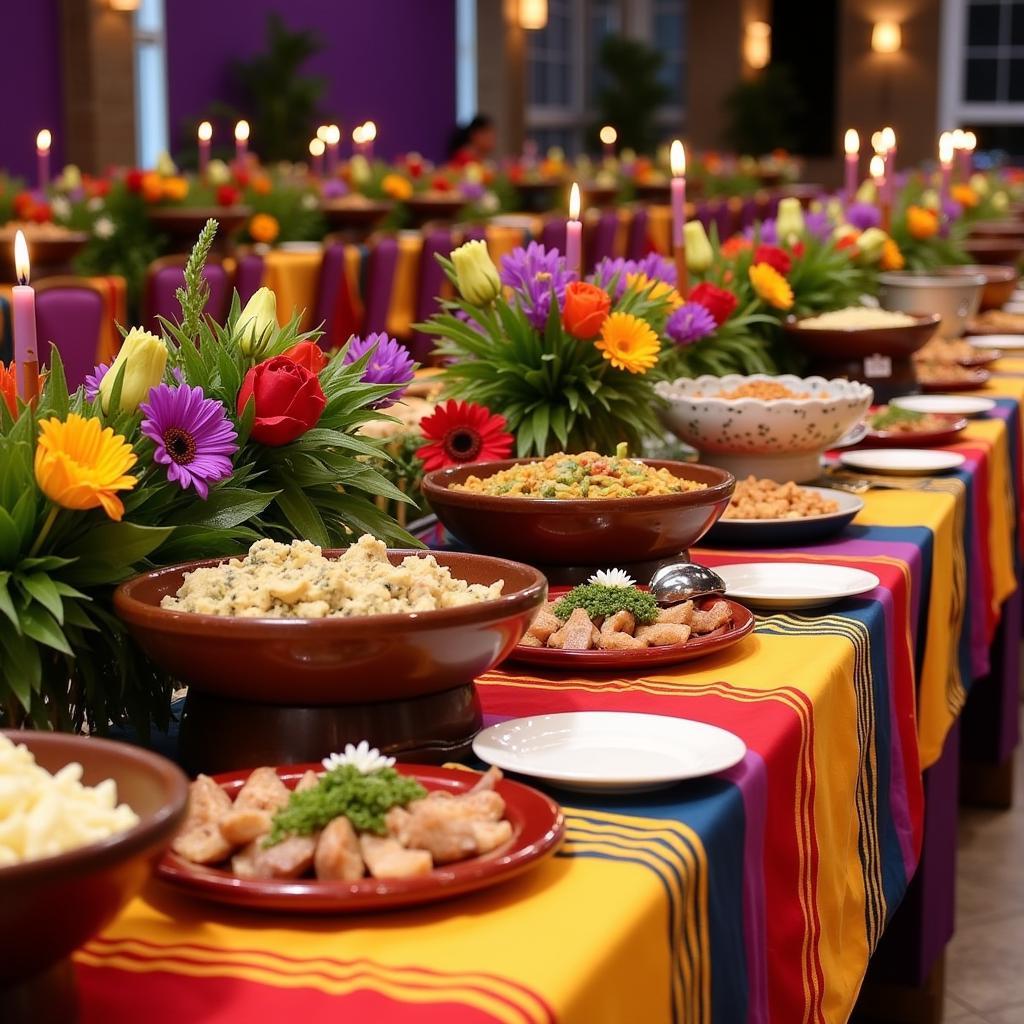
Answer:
x=43 y=142
x=23 y=316
x=316 y=154
x=574 y=231
x=205 y=134
x=369 y=134
x=241 y=141
x=851 y=143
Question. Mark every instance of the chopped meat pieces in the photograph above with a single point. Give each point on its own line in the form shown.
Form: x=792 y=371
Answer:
x=200 y=839
x=337 y=857
x=387 y=858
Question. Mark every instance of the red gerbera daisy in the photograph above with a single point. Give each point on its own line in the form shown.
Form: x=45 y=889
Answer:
x=461 y=432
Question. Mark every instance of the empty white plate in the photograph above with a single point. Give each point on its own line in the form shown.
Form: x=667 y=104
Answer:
x=609 y=751
x=1014 y=306
x=794 y=584
x=953 y=405
x=1003 y=342
x=903 y=461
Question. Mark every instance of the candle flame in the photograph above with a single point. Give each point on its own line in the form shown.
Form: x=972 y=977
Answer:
x=946 y=148
x=609 y=135
x=574 y=202
x=888 y=139
x=205 y=131
x=369 y=131
x=851 y=142
x=677 y=159
x=316 y=147
x=357 y=134
x=877 y=167
x=44 y=140
x=876 y=142
x=959 y=138
x=322 y=132
x=970 y=141
x=21 y=267
x=242 y=131
x=333 y=135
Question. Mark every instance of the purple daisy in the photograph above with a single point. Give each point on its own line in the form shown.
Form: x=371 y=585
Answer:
x=93 y=381
x=389 y=364
x=194 y=438
x=534 y=273
x=817 y=224
x=689 y=323
x=863 y=216
x=333 y=188
x=657 y=268
x=764 y=232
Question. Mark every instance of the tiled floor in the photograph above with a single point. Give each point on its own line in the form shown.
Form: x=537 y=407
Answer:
x=985 y=960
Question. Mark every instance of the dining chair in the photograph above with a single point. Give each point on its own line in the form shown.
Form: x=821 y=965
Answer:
x=602 y=240
x=248 y=275
x=637 y=242
x=439 y=241
x=167 y=274
x=380 y=278
x=73 y=314
x=552 y=235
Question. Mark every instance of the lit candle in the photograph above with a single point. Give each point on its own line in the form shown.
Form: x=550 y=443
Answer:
x=945 y=162
x=959 y=141
x=677 y=162
x=316 y=153
x=878 y=176
x=322 y=132
x=23 y=315
x=369 y=134
x=43 y=142
x=851 y=143
x=241 y=142
x=573 y=231
x=970 y=142
x=205 y=134
x=609 y=136
x=889 y=155
x=332 y=139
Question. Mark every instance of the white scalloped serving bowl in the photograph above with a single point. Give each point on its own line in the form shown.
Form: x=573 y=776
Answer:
x=781 y=439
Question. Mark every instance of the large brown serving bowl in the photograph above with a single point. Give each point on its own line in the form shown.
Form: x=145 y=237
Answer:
x=841 y=343
x=334 y=661
x=49 y=907
x=605 y=531
x=1000 y=282
x=1006 y=250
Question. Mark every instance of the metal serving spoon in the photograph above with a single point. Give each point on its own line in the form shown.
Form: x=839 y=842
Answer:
x=684 y=581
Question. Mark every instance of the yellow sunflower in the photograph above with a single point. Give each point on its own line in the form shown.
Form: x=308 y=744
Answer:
x=81 y=464
x=628 y=343
x=660 y=291
x=771 y=286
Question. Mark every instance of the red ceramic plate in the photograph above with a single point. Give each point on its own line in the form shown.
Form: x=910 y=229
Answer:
x=985 y=357
x=537 y=831
x=606 y=661
x=977 y=379
x=922 y=438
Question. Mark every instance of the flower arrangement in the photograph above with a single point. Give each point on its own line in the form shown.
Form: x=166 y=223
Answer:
x=191 y=444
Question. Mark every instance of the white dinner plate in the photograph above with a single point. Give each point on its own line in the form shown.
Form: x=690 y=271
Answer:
x=794 y=584
x=1014 y=306
x=1004 y=342
x=903 y=461
x=609 y=751
x=952 y=405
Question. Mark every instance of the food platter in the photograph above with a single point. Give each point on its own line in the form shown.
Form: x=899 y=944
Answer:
x=607 y=751
x=951 y=427
x=969 y=380
x=779 y=585
x=538 y=827
x=671 y=654
x=779 y=532
x=948 y=405
x=1006 y=342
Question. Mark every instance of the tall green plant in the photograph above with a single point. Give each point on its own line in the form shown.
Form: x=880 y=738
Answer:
x=633 y=92
x=764 y=113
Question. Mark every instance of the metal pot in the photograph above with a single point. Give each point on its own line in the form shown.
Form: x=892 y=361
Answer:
x=954 y=298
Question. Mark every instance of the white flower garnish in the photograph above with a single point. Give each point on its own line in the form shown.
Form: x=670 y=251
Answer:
x=365 y=758
x=612 y=578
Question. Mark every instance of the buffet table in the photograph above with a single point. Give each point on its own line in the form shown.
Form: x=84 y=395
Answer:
x=756 y=895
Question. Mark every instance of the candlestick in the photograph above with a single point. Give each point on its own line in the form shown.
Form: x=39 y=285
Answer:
x=609 y=136
x=970 y=141
x=573 y=231
x=851 y=143
x=205 y=134
x=959 y=136
x=878 y=176
x=945 y=162
x=43 y=142
x=332 y=141
x=241 y=142
x=357 y=139
x=677 y=163
x=888 y=148
x=23 y=315
x=316 y=155
x=369 y=134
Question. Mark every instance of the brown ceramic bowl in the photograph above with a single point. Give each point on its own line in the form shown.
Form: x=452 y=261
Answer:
x=49 y=907
x=185 y=222
x=608 y=531
x=1000 y=281
x=1006 y=250
x=996 y=229
x=356 y=660
x=351 y=212
x=861 y=343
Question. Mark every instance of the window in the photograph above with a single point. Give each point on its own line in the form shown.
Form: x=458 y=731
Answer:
x=465 y=61
x=151 y=134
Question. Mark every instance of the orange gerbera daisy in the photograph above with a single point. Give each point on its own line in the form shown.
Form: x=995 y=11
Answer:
x=9 y=388
x=264 y=228
x=771 y=286
x=628 y=343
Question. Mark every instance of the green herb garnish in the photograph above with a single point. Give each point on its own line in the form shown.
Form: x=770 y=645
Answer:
x=893 y=416
x=363 y=799
x=599 y=601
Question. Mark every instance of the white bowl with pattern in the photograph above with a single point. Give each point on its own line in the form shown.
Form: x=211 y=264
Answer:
x=781 y=438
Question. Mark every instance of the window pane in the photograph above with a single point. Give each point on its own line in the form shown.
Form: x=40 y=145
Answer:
x=1016 y=85
x=1017 y=24
x=981 y=81
x=983 y=24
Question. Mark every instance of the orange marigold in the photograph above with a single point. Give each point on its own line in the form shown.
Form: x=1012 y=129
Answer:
x=264 y=228
x=922 y=223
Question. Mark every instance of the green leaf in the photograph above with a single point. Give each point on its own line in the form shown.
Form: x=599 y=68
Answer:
x=108 y=553
x=6 y=604
x=22 y=667
x=10 y=539
x=226 y=507
x=38 y=624
x=41 y=588
x=302 y=515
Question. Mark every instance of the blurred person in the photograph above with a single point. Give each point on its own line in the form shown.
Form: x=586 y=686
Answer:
x=474 y=142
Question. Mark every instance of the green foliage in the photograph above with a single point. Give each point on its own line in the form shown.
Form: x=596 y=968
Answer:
x=600 y=601
x=633 y=92
x=763 y=113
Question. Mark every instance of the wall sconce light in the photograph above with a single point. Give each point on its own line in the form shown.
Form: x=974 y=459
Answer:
x=124 y=5
x=533 y=14
x=757 y=44
x=886 y=37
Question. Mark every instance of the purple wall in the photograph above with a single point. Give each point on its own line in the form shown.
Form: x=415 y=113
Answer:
x=30 y=87
x=390 y=61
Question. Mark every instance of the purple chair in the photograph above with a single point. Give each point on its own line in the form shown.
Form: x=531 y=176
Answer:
x=552 y=235
x=332 y=279
x=72 y=314
x=248 y=275
x=166 y=275
x=436 y=241
x=603 y=239
x=475 y=233
x=748 y=214
x=705 y=213
x=380 y=279
x=637 y=242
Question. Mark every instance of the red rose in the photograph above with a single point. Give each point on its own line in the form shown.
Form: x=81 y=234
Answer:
x=133 y=181
x=289 y=400
x=717 y=301
x=308 y=354
x=775 y=257
x=441 y=184
x=798 y=249
x=242 y=178
x=586 y=309
x=227 y=195
x=41 y=213
x=24 y=204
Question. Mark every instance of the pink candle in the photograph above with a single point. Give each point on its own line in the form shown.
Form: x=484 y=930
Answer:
x=43 y=142
x=23 y=315
x=574 y=232
x=333 y=142
x=945 y=163
x=970 y=141
x=316 y=157
x=851 y=144
x=241 y=142
x=205 y=134
x=677 y=160
x=369 y=135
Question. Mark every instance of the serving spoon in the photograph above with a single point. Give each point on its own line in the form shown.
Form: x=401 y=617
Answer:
x=685 y=581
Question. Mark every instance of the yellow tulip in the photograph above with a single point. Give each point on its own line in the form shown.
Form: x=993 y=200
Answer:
x=218 y=172
x=359 y=170
x=256 y=322
x=867 y=193
x=144 y=358
x=789 y=221
x=699 y=254
x=871 y=244
x=476 y=273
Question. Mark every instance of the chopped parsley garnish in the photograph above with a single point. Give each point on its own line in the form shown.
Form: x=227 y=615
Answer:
x=893 y=416
x=599 y=601
x=363 y=799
